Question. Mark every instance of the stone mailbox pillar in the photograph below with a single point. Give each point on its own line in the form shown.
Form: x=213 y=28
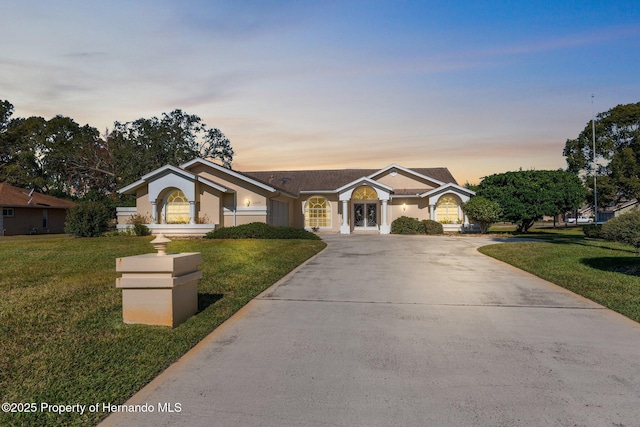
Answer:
x=159 y=289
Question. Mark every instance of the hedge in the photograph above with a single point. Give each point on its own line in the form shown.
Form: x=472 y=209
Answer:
x=260 y=230
x=624 y=229
x=406 y=225
x=88 y=219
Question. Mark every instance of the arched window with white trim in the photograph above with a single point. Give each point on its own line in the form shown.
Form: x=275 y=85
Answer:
x=177 y=208
x=317 y=212
x=448 y=210
x=364 y=193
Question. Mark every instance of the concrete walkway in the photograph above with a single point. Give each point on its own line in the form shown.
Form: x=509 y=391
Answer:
x=405 y=331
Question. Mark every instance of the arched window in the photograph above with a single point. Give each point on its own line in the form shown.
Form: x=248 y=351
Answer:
x=317 y=212
x=447 y=210
x=364 y=193
x=177 y=208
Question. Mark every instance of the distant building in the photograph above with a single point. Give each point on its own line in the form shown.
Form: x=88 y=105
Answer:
x=616 y=210
x=27 y=212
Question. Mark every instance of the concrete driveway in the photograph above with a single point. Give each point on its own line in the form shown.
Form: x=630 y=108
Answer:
x=406 y=331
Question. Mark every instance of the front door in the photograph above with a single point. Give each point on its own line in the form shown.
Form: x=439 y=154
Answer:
x=365 y=215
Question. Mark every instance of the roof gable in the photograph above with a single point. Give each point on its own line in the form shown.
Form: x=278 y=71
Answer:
x=414 y=173
x=363 y=181
x=449 y=188
x=169 y=170
x=238 y=175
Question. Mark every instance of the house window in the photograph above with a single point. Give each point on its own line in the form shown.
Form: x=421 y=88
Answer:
x=45 y=218
x=7 y=211
x=447 y=210
x=177 y=208
x=365 y=193
x=317 y=212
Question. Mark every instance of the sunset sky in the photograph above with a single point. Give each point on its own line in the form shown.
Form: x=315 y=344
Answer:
x=480 y=87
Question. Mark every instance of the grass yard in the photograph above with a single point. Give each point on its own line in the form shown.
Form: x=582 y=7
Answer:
x=605 y=272
x=63 y=339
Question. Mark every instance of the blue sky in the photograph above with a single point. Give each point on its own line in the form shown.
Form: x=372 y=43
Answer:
x=479 y=87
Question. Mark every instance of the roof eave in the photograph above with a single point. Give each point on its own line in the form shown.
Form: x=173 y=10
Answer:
x=230 y=172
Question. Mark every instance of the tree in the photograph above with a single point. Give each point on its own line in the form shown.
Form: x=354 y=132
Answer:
x=64 y=157
x=48 y=155
x=60 y=155
x=617 y=152
x=143 y=145
x=6 y=111
x=469 y=186
x=526 y=196
x=482 y=211
x=21 y=143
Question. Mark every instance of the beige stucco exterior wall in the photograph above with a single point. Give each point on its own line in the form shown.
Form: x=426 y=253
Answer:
x=142 y=202
x=404 y=180
x=208 y=208
x=415 y=208
x=336 y=213
x=253 y=203
x=244 y=191
x=296 y=215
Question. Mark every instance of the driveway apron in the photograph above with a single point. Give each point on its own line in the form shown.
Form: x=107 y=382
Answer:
x=405 y=331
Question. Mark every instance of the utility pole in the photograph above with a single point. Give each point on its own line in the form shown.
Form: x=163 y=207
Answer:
x=595 y=168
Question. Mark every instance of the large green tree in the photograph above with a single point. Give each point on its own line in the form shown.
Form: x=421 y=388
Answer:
x=21 y=142
x=526 y=196
x=143 y=145
x=59 y=155
x=47 y=155
x=617 y=138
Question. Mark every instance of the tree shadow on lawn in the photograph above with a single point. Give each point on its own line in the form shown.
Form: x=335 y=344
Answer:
x=625 y=265
x=205 y=300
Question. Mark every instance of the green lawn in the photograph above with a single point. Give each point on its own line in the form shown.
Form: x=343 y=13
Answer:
x=604 y=272
x=63 y=339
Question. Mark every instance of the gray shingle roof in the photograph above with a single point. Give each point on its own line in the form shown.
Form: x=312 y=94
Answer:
x=328 y=180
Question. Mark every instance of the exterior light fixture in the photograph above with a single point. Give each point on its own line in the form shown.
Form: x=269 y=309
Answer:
x=404 y=207
x=247 y=202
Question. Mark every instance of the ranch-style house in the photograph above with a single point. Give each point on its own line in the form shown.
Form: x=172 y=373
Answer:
x=29 y=212
x=201 y=195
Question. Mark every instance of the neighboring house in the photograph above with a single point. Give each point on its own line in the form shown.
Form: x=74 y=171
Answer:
x=200 y=195
x=612 y=211
x=616 y=210
x=27 y=212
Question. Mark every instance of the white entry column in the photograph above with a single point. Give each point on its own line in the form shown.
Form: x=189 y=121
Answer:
x=154 y=212
x=384 y=227
x=344 y=228
x=192 y=212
